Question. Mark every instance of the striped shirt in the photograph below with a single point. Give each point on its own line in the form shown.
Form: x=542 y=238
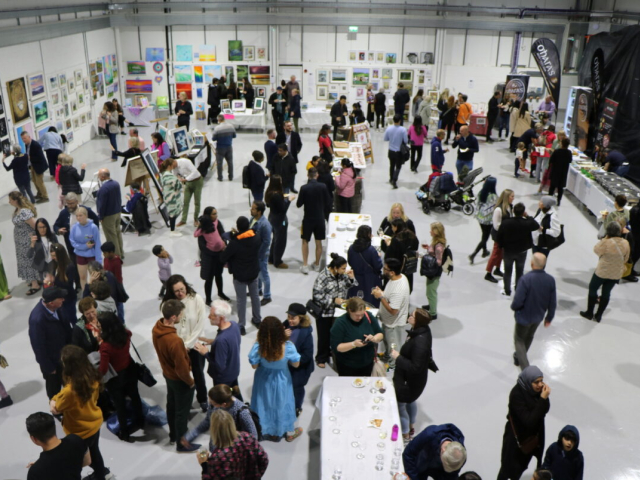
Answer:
x=224 y=134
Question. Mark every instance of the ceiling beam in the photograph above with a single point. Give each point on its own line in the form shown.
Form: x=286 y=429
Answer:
x=45 y=31
x=44 y=11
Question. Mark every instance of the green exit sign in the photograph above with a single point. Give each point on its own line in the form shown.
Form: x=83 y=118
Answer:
x=353 y=29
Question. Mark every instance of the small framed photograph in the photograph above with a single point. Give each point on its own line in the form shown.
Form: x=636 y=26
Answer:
x=426 y=57
x=322 y=77
x=371 y=56
x=333 y=96
x=225 y=105
x=334 y=88
x=362 y=55
x=321 y=92
x=261 y=92
x=434 y=95
x=360 y=93
x=258 y=103
x=391 y=58
x=339 y=75
x=249 y=53
x=353 y=56
x=405 y=75
x=262 y=53
x=238 y=105
x=380 y=57
x=227 y=111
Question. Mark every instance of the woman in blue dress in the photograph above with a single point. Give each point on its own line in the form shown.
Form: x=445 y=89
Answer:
x=272 y=397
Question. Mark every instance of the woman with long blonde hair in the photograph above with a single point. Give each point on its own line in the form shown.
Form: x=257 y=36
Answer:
x=504 y=209
x=435 y=249
x=24 y=227
x=272 y=397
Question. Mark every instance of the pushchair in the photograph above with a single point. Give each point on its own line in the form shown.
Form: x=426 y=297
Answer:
x=464 y=195
x=435 y=193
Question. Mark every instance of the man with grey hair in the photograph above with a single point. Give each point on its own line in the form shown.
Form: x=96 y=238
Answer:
x=533 y=302
x=67 y=217
x=437 y=452
x=224 y=357
x=20 y=167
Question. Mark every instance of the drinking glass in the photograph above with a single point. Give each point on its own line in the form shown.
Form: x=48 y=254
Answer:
x=380 y=457
x=203 y=452
x=382 y=434
x=381 y=446
x=337 y=473
x=357 y=432
x=379 y=466
x=397 y=451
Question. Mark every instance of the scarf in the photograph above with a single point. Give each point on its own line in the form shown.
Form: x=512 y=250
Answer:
x=527 y=377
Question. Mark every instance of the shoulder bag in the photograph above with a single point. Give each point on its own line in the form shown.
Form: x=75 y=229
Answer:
x=410 y=262
x=405 y=153
x=314 y=309
x=527 y=446
x=144 y=374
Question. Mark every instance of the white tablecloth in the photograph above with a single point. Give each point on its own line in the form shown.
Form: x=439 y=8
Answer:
x=352 y=412
x=140 y=117
x=253 y=120
x=314 y=118
x=339 y=242
x=590 y=193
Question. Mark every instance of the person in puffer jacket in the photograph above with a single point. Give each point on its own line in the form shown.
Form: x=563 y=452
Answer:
x=68 y=175
x=563 y=457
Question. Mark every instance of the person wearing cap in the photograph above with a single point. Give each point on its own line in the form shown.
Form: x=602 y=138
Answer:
x=547 y=218
x=298 y=330
x=278 y=102
x=49 y=332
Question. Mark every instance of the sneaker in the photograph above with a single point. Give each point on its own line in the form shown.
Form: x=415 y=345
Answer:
x=304 y=269
x=498 y=273
x=471 y=257
x=283 y=266
x=255 y=324
x=516 y=362
x=175 y=234
x=243 y=332
x=222 y=296
x=296 y=433
x=486 y=253
x=5 y=402
x=265 y=301
x=434 y=317
x=192 y=448
x=505 y=293
x=314 y=267
x=490 y=278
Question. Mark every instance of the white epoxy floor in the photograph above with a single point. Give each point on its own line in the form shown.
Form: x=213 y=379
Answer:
x=592 y=369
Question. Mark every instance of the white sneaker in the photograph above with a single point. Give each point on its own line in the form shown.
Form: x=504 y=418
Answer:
x=304 y=269
x=175 y=234
x=314 y=267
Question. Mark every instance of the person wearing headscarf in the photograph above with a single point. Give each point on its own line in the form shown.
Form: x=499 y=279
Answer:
x=524 y=431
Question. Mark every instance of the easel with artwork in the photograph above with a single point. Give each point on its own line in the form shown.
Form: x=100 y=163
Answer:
x=360 y=133
x=138 y=170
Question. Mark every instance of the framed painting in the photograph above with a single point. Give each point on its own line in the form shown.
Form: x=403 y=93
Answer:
x=242 y=71
x=68 y=124
x=78 y=75
x=322 y=77
x=353 y=56
x=138 y=86
x=76 y=122
x=6 y=147
x=261 y=53
x=334 y=88
x=261 y=92
x=375 y=73
x=360 y=93
x=182 y=73
x=380 y=57
x=18 y=102
x=71 y=83
x=64 y=96
x=207 y=53
x=184 y=53
x=69 y=135
x=150 y=163
x=53 y=82
x=249 y=53
x=225 y=105
x=371 y=56
x=362 y=55
x=405 y=75
x=62 y=79
x=81 y=99
x=180 y=139
x=258 y=104
x=40 y=112
x=413 y=57
x=136 y=68
x=235 y=50
x=3 y=127
x=74 y=106
x=211 y=72
x=387 y=73
x=360 y=76
x=333 y=96
x=322 y=92
x=36 y=85
x=238 y=105
x=186 y=88
x=154 y=54
x=42 y=130
x=198 y=73
x=339 y=75
x=391 y=58
x=260 y=75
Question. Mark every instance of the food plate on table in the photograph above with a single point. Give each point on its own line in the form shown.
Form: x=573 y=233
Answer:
x=375 y=423
x=358 y=383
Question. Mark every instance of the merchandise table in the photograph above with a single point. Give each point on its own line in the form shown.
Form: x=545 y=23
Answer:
x=140 y=116
x=314 y=118
x=249 y=120
x=340 y=241
x=589 y=192
x=349 y=442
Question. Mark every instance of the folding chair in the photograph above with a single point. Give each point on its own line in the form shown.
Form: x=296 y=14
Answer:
x=90 y=188
x=126 y=222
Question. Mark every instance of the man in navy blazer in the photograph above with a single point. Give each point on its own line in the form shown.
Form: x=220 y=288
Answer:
x=62 y=225
x=109 y=205
x=37 y=164
x=270 y=148
x=49 y=332
x=293 y=141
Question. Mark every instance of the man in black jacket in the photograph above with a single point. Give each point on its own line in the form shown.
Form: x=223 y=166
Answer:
x=492 y=113
x=514 y=236
x=278 y=102
x=38 y=165
x=62 y=225
x=339 y=114
x=257 y=177
x=49 y=331
x=213 y=100
x=242 y=255
x=292 y=139
x=317 y=206
x=270 y=148
x=400 y=100
x=285 y=166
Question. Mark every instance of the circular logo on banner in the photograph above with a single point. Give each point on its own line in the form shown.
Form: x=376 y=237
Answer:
x=157 y=67
x=158 y=79
x=515 y=89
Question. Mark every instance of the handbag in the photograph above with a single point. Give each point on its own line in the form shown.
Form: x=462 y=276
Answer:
x=379 y=370
x=547 y=241
x=527 y=446
x=314 y=309
x=429 y=267
x=144 y=374
x=405 y=153
x=410 y=262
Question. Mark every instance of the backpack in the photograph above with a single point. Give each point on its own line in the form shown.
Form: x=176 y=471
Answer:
x=254 y=416
x=447 y=261
x=410 y=262
x=429 y=267
x=246 y=177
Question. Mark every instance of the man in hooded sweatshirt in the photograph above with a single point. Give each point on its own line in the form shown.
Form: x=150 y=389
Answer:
x=176 y=370
x=563 y=457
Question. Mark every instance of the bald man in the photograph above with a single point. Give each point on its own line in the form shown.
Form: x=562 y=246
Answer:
x=534 y=301
x=109 y=202
x=467 y=145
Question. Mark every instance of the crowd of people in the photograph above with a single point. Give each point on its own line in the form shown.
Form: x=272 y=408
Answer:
x=78 y=329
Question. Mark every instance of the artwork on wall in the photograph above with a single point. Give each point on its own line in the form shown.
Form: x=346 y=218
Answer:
x=333 y=96
x=108 y=70
x=69 y=135
x=387 y=73
x=25 y=127
x=259 y=75
x=154 y=54
x=249 y=53
x=235 y=50
x=53 y=82
x=360 y=76
x=83 y=119
x=207 y=53
x=136 y=68
x=81 y=99
x=386 y=84
x=40 y=112
x=182 y=73
x=60 y=126
x=242 y=72
x=322 y=92
x=375 y=73
x=225 y=105
x=228 y=73
x=6 y=147
x=138 y=86
x=18 y=103
x=74 y=105
x=391 y=58
x=322 y=77
x=186 y=88
x=412 y=57
x=426 y=57
x=375 y=86
x=76 y=122
x=85 y=82
x=261 y=92
x=64 y=95
x=362 y=55
x=71 y=83
x=62 y=79
x=3 y=127
x=198 y=92
x=42 y=130
x=158 y=67
x=360 y=93
x=55 y=99
x=353 y=55
x=1 y=104
x=258 y=104
x=405 y=75
x=379 y=57
x=67 y=110
x=198 y=73
x=339 y=75
x=211 y=72
x=371 y=56
x=78 y=75
x=334 y=88
x=36 y=85
x=184 y=53
x=262 y=53
x=68 y=125
x=180 y=139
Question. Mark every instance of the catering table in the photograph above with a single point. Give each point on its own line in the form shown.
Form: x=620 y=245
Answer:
x=590 y=193
x=313 y=118
x=349 y=443
x=249 y=120
x=340 y=241
x=140 y=116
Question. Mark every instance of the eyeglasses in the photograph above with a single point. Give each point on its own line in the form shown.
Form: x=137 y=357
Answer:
x=180 y=290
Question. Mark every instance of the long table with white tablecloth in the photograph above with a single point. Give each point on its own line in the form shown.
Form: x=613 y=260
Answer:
x=590 y=193
x=339 y=240
x=350 y=444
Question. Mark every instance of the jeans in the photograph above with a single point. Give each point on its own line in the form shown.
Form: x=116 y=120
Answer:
x=503 y=123
x=414 y=163
x=460 y=164
x=112 y=232
x=263 y=278
x=120 y=309
x=113 y=140
x=509 y=258
x=197 y=369
x=606 y=284
x=258 y=195
x=395 y=164
x=241 y=299
x=25 y=190
x=97 y=463
x=123 y=386
x=408 y=414
x=179 y=400
x=522 y=339
x=392 y=335
x=432 y=294
x=279 y=224
x=52 y=159
x=323 y=329
x=224 y=153
x=192 y=188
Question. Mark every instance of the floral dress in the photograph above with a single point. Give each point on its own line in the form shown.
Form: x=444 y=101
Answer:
x=4 y=284
x=245 y=459
x=171 y=193
x=22 y=233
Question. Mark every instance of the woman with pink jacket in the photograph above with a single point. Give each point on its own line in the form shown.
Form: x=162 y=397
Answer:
x=346 y=186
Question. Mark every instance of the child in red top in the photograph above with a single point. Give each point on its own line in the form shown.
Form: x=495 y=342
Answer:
x=112 y=262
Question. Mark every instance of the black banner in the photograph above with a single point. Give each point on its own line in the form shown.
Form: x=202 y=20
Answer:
x=547 y=57
x=605 y=127
x=516 y=87
x=597 y=76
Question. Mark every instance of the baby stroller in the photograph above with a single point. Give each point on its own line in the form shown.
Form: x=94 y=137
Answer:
x=435 y=193
x=464 y=195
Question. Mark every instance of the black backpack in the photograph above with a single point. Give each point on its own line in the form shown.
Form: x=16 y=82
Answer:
x=254 y=416
x=447 y=261
x=246 y=177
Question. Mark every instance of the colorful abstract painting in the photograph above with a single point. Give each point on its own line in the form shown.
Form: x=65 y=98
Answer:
x=184 y=87
x=198 y=73
x=235 y=50
x=242 y=71
x=184 y=53
x=207 y=53
x=139 y=86
x=182 y=73
x=259 y=75
x=155 y=54
x=136 y=68
x=211 y=72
